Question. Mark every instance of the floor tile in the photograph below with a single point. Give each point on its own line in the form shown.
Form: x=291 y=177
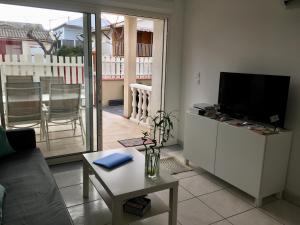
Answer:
x=284 y=212
x=69 y=178
x=198 y=170
x=235 y=191
x=174 y=151
x=93 y=213
x=225 y=203
x=249 y=199
x=66 y=167
x=253 y=217
x=194 y=212
x=73 y=195
x=173 y=148
x=199 y=185
x=182 y=195
x=156 y=220
x=215 y=179
x=185 y=174
x=223 y=222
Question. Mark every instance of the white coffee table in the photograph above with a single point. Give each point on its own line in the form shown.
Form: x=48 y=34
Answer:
x=126 y=182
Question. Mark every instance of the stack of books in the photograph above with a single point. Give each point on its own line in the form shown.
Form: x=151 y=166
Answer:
x=137 y=206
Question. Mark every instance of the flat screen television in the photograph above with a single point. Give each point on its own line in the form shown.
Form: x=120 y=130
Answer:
x=254 y=97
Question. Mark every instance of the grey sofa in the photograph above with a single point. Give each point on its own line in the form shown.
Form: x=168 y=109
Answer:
x=33 y=197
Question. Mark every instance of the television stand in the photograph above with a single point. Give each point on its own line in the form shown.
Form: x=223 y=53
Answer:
x=252 y=160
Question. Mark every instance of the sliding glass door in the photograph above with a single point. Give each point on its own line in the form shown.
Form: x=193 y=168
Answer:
x=48 y=78
x=82 y=67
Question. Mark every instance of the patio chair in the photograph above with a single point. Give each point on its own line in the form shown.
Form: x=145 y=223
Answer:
x=64 y=107
x=47 y=81
x=19 y=79
x=24 y=106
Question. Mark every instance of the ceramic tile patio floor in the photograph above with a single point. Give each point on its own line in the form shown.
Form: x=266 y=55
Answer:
x=115 y=127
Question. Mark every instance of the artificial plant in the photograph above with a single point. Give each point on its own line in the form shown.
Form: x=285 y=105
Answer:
x=161 y=127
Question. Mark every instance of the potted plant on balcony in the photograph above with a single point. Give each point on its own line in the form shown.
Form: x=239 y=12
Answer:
x=161 y=127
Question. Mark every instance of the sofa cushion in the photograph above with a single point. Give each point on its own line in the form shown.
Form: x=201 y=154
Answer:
x=5 y=148
x=32 y=196
x=2 y=195
x=21 y=139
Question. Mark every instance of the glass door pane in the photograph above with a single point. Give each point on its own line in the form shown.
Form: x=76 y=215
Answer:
x=44 y=77
x=132 y=77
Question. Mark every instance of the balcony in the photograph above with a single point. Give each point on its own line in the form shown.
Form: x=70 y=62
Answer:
x=115 y=126
x=141 y=103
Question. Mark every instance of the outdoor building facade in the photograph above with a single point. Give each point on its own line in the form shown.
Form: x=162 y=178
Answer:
x=14 y=38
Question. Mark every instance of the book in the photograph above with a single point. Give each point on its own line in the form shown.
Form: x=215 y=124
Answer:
x=137 y=206
x=113 y=160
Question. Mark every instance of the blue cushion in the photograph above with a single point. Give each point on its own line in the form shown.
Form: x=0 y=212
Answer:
x=5 y=148
x=113 y=160
x=2 y=194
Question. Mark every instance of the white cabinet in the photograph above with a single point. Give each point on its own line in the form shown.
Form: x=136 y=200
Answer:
x=200 y=144
x=239 y=159
x=252 y=162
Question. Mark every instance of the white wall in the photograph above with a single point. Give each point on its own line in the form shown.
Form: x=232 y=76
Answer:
x=173 y=63
x=257 y=36
x=60 y=31
x=71 y=33
x=33 y=48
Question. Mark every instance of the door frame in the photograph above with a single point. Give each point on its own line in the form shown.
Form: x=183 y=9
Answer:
x=97 y=9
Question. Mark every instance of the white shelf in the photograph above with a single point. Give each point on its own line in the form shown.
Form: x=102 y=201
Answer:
x=157 y=205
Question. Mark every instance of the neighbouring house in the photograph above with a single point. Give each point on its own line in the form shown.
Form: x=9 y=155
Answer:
x=14 y=40
x=144 y=37
x=71 y=34
x=112 y=38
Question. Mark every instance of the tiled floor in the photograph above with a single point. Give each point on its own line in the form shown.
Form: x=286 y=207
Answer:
x=203 y=200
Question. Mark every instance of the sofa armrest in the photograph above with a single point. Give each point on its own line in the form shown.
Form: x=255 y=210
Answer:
x=21 y=139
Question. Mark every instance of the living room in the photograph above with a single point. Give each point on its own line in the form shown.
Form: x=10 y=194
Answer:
x=204 y=39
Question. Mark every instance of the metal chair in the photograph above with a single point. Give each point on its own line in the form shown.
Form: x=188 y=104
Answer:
x=64 y=107
x=24 y=106
x=19 y=79
x=47 y=81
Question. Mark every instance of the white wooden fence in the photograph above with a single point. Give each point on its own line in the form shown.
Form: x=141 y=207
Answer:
x=71 y=68
x=114 y=66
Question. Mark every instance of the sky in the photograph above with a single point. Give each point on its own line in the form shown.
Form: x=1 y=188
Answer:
x=48 y=18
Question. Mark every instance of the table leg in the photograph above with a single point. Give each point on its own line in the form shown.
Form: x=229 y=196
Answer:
x=173 y=198
x=117 y=213
x=85 y=179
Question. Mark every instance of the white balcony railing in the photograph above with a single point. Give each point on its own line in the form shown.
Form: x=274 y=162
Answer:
x=141 y=102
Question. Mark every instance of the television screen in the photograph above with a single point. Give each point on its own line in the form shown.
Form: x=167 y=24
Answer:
x=254 y=97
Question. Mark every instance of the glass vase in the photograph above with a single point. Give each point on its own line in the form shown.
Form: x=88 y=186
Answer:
x=152 y=158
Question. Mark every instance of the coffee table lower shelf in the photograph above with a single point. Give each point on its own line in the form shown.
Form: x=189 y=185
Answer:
x=157 y=205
